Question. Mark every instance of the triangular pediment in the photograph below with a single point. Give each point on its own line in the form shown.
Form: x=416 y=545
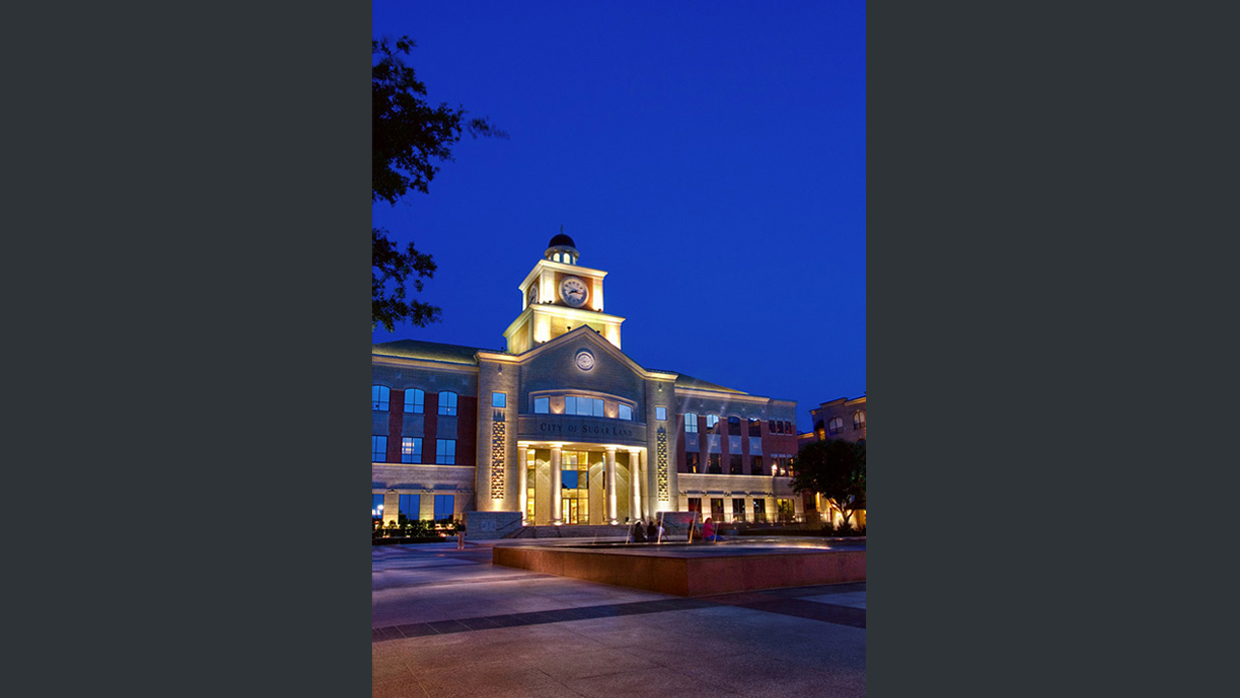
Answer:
x=559 y=357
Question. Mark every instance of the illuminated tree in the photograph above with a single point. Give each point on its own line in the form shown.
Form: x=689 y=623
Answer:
x=834 y=469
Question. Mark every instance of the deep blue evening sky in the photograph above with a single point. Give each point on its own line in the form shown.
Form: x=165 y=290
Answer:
x=719 y=143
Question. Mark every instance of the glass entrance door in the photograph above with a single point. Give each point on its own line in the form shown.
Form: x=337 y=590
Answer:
x=575 y=487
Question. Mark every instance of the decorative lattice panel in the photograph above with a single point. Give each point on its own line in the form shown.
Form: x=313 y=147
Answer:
x=661 y=462
x=497 y=460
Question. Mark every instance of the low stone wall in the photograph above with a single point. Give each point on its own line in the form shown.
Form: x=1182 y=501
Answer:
x=489 y=525
x=690 y=575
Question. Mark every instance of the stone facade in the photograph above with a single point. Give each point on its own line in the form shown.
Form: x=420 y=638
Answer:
x=565 y=411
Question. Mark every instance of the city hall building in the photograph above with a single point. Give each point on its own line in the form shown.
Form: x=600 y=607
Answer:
x=565 y=427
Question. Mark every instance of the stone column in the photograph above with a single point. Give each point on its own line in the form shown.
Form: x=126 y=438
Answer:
x=611 y=485
x=635 y=485
x=557 y=517
x=644 y=491
x=522 y=483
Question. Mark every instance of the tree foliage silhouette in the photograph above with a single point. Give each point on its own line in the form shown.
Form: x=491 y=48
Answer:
x=410 y=139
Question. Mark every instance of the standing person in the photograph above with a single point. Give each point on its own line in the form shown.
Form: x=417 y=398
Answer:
x=708 y=530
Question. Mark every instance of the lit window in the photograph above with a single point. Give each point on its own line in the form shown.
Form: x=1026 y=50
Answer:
x=835 y=426
x=499 y=399
x=376 y=506
x=626 y=412
x=690 y=423
x=711 y=421
x=445 y=451
x=583 y=406
x=542 y=405
x=414 y=400
x=378 y=449
x=379 y=396
x=693 y=463
x=660 y=413
x=859 y=420
x=447 y=404
x=411 y=450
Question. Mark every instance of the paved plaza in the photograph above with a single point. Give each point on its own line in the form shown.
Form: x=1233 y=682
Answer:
x=447 y=623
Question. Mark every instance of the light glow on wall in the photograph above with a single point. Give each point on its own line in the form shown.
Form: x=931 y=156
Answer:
x=542 y=330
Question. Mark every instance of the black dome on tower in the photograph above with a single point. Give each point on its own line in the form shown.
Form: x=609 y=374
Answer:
x=562 y=239
x=562 y=249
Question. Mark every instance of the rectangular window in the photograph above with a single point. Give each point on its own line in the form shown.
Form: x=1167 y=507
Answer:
x=660 y=413
x=714 y=464
x=734 y=464
x=716 y=510
x=738 y=509
x=414 y=401
x=411 y=449
x=759 y=510
x=690 y=423
x=542 y=405
x=583 y=406
x=530 y=480
x=499 y=399
x=376 y=506
x=445 y=451
x=755 y=465
x=693 y=463
x=626 y=413
x=695 y=505
x=447 y=404
x=712 y=421
x=378 y=449
x=443 y=507
x=411 y=506
x=755 y=427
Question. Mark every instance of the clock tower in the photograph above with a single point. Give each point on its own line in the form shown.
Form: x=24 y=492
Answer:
x=558 y=296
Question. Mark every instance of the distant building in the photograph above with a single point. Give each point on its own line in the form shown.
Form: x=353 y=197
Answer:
x=841 y=418
x=566 y=428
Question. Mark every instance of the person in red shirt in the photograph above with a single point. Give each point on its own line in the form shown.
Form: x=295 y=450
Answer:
x=708 y=530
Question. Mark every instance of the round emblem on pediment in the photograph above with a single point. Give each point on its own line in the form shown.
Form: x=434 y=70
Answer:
x=584 y=360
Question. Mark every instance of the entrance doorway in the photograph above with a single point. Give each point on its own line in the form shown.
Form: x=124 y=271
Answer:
x=575 y=487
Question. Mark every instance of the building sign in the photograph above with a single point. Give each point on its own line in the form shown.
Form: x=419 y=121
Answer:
x=574 y=428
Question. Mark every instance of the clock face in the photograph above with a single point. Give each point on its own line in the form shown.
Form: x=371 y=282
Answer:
x=533 y=294
x=574 y=291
